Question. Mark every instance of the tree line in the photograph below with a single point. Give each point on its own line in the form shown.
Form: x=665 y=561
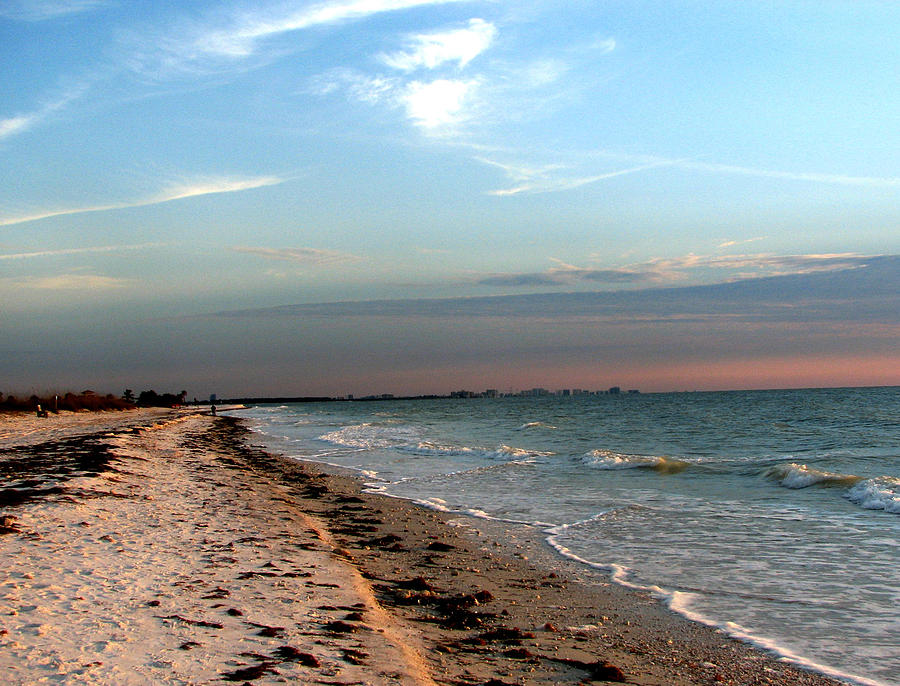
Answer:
x=89 y=400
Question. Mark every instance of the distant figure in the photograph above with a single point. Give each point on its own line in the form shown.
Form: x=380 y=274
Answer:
x=212 y=410
x=41 y=412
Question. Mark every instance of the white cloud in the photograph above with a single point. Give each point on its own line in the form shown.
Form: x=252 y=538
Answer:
x=439 y=103
x=41 y=10
x=14 y=125
x=430 y=50
x=242 y=38
x=227 y=39
x=433 y=105
x=179 y=191
x=309 y=256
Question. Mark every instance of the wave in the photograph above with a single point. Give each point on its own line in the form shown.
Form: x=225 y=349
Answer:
x=429 y=448
x=535 y=425
x=795 y=475
x=504 y=452
x=369 y=436
x=408 y=440
x=607 y=459
x=877 y=493
x=880 y=493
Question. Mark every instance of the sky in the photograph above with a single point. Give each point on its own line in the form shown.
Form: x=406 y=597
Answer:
x=416 y=196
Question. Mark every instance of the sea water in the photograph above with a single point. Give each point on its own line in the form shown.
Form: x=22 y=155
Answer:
x=774 y=515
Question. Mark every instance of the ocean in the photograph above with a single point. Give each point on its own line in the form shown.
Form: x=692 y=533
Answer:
x=774 y=515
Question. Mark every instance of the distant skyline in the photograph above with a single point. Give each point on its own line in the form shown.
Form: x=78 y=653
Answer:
x=418 y=196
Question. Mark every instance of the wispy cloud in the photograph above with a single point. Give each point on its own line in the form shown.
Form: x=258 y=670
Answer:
x=69 y=282
x=685 y=269
x=430 y=50
x=547 y=179
x=42 y=10
x=306 y=256
x=242 y=35
x=210 y=186
x=731 y=244
x=838 y=179
x=566 y=275
x=868 y=293
x=530 y=178
x=79 y=251
x=178 y=191
x=760 y=264
x=21 y=123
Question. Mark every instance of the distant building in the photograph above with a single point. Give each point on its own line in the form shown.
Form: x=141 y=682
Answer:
x=491 y=393
x=615 y=390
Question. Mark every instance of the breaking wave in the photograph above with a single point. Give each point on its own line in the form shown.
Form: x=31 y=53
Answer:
x=878 y=493
x=607 y=459
x=881 y=493
x=801 y=476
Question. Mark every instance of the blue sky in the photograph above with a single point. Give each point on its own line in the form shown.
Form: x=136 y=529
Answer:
x=165 y=162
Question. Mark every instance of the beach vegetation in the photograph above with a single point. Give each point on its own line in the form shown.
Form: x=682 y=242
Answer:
x=88 y=400
x=153 y=399
x=72 y=402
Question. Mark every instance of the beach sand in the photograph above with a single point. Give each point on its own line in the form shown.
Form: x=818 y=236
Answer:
x=161 y=547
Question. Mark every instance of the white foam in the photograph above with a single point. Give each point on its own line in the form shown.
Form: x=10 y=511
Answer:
x=407 y=439
x=369 y=436
x=429 y=448
x=881 y=493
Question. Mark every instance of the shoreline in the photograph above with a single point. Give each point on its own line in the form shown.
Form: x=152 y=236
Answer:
x=263 y=569
x=532 y=544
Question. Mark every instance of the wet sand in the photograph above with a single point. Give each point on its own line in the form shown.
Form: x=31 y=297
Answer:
x=161 y=547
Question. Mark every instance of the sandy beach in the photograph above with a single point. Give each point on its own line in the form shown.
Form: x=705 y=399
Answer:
x=162 y=547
